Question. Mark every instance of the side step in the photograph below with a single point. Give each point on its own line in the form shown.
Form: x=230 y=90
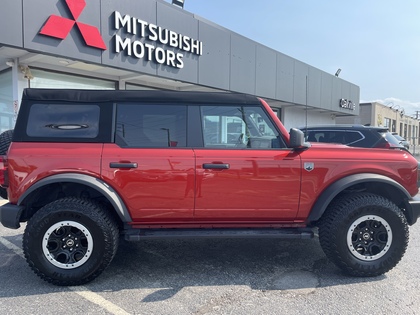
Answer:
x=286 y=233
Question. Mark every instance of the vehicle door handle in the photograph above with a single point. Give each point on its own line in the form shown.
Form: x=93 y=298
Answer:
x=122 y=165
x=217 y=166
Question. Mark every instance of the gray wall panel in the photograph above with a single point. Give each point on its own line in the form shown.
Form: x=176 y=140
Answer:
x=355 y=93
x=266 y=81
x=242 y=64
x=326 y=90
x=336 y=94
x=183 y=23
x=314 y=87
x=141 y=9
x=11 y=22
x=229 y=61
x=345 y=90
x=214 y=64
x=300 y=75
x=285 y=74
x=348 y=93
x=36 y=13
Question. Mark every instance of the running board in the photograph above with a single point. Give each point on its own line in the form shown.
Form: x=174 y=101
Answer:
x=286 y=233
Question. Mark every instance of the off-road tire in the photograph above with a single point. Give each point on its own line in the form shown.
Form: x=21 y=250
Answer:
x=5 y=140
x=364 y=234
x=70 y=241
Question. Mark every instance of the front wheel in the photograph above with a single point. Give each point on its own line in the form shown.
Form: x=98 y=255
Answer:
x=364 y=234
x=70 y=241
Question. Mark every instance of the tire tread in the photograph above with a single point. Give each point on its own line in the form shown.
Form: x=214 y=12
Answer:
x=89 y=208
x=339 y=211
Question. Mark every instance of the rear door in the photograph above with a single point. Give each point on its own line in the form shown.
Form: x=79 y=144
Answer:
x=244 y=171
x=150 y=165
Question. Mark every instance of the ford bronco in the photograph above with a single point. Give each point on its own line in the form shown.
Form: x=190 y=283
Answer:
x=86 y=167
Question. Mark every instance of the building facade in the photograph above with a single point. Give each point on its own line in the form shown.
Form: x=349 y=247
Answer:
x=391 y=116
x=151 y=44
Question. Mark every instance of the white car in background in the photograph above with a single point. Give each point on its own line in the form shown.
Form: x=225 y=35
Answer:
x=402 y=140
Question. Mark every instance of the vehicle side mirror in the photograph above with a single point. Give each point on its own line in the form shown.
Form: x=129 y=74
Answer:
x=297 y=139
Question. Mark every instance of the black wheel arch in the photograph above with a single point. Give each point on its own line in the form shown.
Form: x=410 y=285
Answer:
x=38 y=191
x=368 y=182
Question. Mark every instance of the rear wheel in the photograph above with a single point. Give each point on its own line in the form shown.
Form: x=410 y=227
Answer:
x=364 y=234
x=70 y=241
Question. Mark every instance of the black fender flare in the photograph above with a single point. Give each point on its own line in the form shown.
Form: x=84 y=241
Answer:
x=107 y=191
x=337 y=187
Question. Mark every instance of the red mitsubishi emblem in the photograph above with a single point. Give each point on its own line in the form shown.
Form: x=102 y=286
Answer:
x=59 y=27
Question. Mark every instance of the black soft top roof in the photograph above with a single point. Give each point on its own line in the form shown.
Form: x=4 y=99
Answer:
x=154 y=96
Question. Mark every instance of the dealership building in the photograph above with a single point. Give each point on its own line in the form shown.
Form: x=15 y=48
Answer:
x=153 y=44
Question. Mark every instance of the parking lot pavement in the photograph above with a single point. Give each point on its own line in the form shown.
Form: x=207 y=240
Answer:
x=213 y=277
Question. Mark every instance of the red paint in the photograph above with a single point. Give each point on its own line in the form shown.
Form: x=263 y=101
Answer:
x=59 y=27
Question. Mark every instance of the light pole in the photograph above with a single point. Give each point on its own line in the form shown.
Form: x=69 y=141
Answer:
x=169 y=135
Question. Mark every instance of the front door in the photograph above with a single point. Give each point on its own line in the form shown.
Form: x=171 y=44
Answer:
x=244 y=172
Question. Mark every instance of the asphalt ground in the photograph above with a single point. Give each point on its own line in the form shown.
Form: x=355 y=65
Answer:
x=213 y=277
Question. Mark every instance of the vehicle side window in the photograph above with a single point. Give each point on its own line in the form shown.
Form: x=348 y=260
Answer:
x=239 y=127
x=316 y=136
x=326 y=136
x=352 y=137
x=63 y=121
x=151 y=125
x=313 y=136
x=336 y=137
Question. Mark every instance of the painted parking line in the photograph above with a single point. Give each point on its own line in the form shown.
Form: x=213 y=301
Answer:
x=98 y=300
x=17 y=250
x=80 y=290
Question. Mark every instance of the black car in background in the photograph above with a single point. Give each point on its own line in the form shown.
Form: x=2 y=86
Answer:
x=352 y=135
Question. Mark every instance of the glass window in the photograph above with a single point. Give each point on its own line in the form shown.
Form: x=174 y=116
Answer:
x=52 y=80
x=326 y=136
x=63 y=121
x=335 y=137
x=143 y=125
x=352 y=137
x=238 y=127
x=6 y=101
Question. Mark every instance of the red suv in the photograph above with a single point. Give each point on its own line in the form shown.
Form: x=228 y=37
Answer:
x=86 y=167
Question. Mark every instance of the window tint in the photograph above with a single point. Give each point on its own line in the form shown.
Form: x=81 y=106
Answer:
x=352 y=137
x=63 y=121
x=334 y=136
x=238 y=127
x=393 y=139
x=143 y=125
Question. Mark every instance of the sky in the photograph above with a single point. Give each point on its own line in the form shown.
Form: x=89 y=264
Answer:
x=375 y=43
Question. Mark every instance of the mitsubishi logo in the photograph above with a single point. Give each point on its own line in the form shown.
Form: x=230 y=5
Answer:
x=60 y=27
